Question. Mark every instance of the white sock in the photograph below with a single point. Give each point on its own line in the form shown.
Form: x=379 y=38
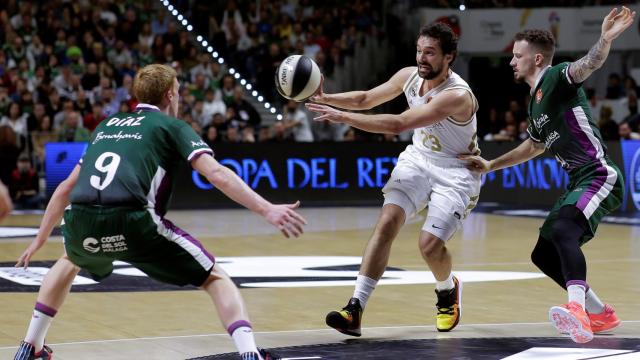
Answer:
x=593 y=304
x=447 y=284
x=364 y=288
x=38 y=329
x=576 y=293
x=243 y=338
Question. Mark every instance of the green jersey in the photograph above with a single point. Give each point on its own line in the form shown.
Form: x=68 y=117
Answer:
x=131 y=157
x=559 y=116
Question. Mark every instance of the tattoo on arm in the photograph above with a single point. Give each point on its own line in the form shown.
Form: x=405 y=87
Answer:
x=581 y=69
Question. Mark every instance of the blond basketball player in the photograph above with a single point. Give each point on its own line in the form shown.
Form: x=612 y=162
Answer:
x=442 y=112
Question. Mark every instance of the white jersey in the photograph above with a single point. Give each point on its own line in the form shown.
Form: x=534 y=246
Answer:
x=446 y=138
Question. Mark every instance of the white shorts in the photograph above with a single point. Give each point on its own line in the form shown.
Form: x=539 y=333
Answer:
x=445 y=185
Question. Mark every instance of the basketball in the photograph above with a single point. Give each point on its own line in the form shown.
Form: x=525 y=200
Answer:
x=298 y=77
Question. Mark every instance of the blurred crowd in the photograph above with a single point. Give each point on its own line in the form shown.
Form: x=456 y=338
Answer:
x=66 y=66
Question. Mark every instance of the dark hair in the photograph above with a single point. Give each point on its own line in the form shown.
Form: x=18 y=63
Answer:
x=445 y=36
x=542 y=40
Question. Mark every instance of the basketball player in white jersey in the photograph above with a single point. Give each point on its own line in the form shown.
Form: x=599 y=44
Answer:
x=442 y=113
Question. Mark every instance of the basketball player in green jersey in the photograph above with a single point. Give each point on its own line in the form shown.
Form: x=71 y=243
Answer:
x=115 y=202
x=560 y=120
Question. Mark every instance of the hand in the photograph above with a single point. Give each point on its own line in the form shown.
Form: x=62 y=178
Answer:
x=23 y=260
x=286 y=219
x=476 y=163
x=5 y=202
x=326 y=112
x=617 y=22
x=318 y=97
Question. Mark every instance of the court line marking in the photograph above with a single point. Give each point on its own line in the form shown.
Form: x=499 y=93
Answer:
x=288 y=331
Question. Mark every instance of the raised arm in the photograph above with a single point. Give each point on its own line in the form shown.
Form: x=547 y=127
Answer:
x=283 y=216
x=525 y=151
x=52 y=216
x=452 y=103
x=614 y=24
x=364 y=100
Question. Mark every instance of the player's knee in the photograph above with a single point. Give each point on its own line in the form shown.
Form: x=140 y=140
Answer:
x=430 y=245
x=390 y=221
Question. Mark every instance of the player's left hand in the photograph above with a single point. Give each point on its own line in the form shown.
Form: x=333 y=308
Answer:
x=286 y=219
x=476 y=163
x=615 y=23
x=326 y=112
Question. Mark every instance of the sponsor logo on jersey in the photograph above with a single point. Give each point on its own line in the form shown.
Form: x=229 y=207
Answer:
x=198 y=143
x=540 y=121
x=117 y=137
x=538 y=96
x=553 y=137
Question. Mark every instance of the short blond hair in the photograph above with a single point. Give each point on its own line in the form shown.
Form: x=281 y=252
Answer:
x=152 y=82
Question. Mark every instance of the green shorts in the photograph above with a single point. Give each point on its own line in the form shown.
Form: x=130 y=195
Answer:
x=94 y=237
x=596 y=190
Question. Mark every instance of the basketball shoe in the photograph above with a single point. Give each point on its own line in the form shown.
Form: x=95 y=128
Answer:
x=573 y=320
x=347 y=320
x=449 y=307
x=264 y=355
x=605 y=321
x=26 y=351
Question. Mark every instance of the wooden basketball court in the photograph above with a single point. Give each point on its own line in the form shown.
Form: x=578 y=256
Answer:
x=288 y=303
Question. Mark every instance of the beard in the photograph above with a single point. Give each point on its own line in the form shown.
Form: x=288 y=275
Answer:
x=518 y=79
x=430 y=74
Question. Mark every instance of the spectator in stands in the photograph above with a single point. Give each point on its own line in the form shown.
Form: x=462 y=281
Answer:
x=632 y=104
x=9 y=151
x=298 y=122
x=608 y=127
x=630 y=84
x=615 y=88
x=246 y=112
x=17 y=121
x=92 y=119
x=72 y=129
x=211 y=136
x=212 y=104
x=25 y=185
x=626 y=133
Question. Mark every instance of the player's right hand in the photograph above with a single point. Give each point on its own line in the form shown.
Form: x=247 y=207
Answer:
x=318 y=97
x=24 y=259
x=286 y=219
x=476 y=163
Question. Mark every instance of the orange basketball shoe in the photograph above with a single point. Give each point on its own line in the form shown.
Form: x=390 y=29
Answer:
x=605 y=321
x=572 y=319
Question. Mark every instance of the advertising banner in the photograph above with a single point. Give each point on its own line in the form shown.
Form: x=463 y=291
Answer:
x=348 y=174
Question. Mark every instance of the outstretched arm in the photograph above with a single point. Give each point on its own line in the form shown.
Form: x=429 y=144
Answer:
x=452 y=103
x=52 y=216
x=614 y=24
x=364 y=100
x=282 y=216
x=525 y=151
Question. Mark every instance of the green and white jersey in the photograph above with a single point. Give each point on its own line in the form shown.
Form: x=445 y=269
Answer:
x=559 y=116
x=131 y=157
x=447 y=138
